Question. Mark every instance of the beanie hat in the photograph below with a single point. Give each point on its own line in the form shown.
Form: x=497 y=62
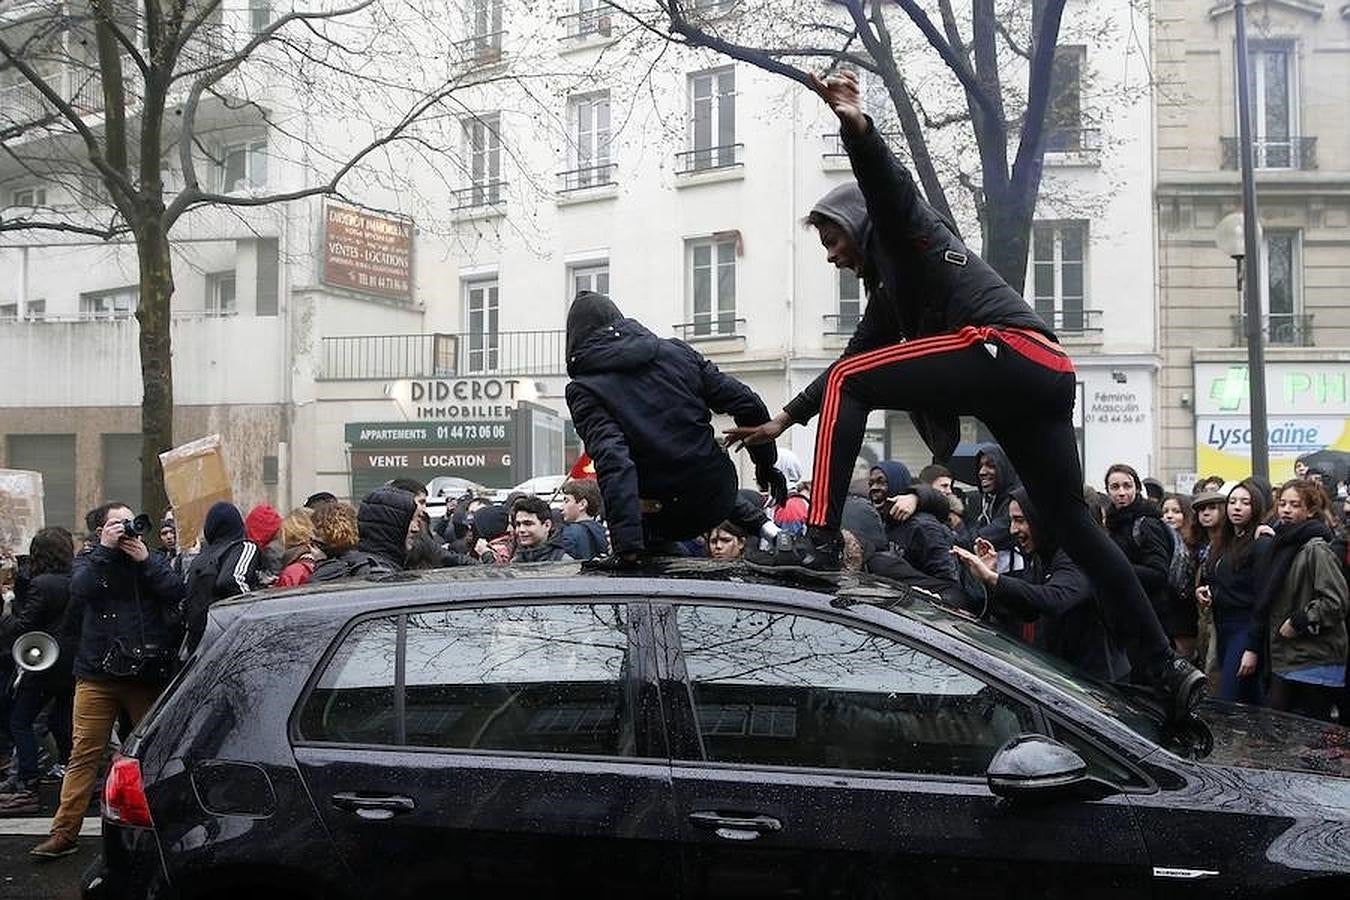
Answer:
x=262 y=524
x=223 y=523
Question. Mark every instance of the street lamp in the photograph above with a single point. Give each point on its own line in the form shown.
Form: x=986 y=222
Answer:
x=1233 y=238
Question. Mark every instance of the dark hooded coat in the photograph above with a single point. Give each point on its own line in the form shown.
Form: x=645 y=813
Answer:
x=382 y=522
x=1055 y=593
x=987 y=514
x=921 y=279
x=923 y=540
x=1140 y=532
x=643 y=407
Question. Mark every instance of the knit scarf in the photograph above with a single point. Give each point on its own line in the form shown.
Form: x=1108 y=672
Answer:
x=1279 y=557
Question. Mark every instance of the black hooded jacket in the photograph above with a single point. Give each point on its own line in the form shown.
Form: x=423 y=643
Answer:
x=921 y=279
x=643 y=407
x=922 y=540
x=382 y=522
x=987 y=514
x=1055 y=593
x=119 y=599
x=1138 y=529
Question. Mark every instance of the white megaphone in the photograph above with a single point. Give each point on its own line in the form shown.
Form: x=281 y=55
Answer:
x=35 y=651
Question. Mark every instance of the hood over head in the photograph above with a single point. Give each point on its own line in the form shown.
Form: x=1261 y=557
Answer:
x=223 y=523
x=1045 y=544
x=600 y=339
x=491 y=521
x=262 y=524
x=589 y=312
x=1007 y=476
x=845 y=206
x=383 y=521
x=790 y=466
x=897 y=474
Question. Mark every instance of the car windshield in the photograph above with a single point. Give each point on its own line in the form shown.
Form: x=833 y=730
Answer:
x=1101 y=696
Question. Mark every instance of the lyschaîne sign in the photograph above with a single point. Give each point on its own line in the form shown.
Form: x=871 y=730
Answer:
x=1308 y=408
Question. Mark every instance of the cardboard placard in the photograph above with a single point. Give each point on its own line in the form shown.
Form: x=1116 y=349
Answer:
x=195 y=477
x=21 y=509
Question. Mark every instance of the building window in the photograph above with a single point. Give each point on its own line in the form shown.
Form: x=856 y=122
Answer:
x=850 y=301
x=588 y=118
x=1058 y=250
x=481 y=302
x=243 y=166
x=35 y=310
x=29 y=196
x=483 y=147
x=1280 y=287
x=592 y=18
x=259 y=14
x=712 y=117
x=1064 y=117
x=269 y=270
x=9 y=312
x=119 y=303
x=593 y=276
x=1270 y=71
x=712 y=281
x=220 y=294
x=484 y=28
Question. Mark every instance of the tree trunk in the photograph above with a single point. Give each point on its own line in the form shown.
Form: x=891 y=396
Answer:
x=156 y=362
x=1008 y=216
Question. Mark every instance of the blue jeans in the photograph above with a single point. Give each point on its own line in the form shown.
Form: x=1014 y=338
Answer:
x=28 y=702
x=1231 y=638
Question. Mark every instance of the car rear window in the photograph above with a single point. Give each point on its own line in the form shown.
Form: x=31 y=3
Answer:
x=549 y=678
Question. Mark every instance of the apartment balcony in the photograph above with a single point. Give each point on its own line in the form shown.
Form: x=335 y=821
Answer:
x=596 y=176
x=481 y=49
x=1294 y=153
x=1073 y=322
x=709 y=159
x=386 y=357
x=842 y=324
x=588 y=25
x=834 y=146
x=1279 y=330
x=1073 y=146
x=484 y=195
x=22 y=104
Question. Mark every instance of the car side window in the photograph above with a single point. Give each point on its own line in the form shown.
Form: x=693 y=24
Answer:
x=540 y=679
x=791 y=690
x=353 y=701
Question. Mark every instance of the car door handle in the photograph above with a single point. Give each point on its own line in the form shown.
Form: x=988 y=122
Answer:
x=381 y=806
x=735 y=826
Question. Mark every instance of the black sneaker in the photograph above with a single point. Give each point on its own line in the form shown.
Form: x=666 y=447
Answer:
x=1181 y=686
x=818 y=550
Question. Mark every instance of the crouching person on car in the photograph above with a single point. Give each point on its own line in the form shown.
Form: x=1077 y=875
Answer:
x=128 y=643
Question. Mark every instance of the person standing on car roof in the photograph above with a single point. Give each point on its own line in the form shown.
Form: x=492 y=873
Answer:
x=944 y=335
x=643 y=407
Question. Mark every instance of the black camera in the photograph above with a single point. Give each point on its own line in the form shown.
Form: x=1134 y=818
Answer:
x=150 y=662
x=136 y=527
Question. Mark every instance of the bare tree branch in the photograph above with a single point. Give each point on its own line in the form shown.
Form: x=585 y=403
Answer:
x=948 y=54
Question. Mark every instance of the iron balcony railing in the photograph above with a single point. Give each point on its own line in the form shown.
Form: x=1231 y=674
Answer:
x=1071 y=320
x=1273 y=153
x=704 y=327
x=1073 y=140
x=588 y=177
x=706 y=159
x=1286 y=329
x=481 y=48
x=487 y=193
x=834 y=145
x=440 y=355
x=588 y=23
x=842 y=323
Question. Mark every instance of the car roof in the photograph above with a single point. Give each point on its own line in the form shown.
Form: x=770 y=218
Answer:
x=675 y=576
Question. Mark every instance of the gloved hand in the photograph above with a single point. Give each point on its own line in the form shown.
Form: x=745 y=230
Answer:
x=771 y=481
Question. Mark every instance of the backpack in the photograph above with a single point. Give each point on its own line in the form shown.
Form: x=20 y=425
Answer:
x=201 y=593
x=1180 y=568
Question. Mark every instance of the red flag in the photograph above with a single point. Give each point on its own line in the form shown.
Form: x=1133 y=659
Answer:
x=583 y=469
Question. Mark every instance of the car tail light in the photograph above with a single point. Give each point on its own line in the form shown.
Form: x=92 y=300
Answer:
x=124 y=794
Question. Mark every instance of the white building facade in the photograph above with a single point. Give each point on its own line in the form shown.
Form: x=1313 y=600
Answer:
x=335 y=344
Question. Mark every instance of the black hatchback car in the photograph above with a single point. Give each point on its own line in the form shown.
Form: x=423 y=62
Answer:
x=691 y=730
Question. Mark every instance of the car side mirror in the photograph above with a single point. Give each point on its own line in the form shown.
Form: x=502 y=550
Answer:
x=1035 y=766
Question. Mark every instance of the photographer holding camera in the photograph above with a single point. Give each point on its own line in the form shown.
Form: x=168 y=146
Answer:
x=127 y=645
